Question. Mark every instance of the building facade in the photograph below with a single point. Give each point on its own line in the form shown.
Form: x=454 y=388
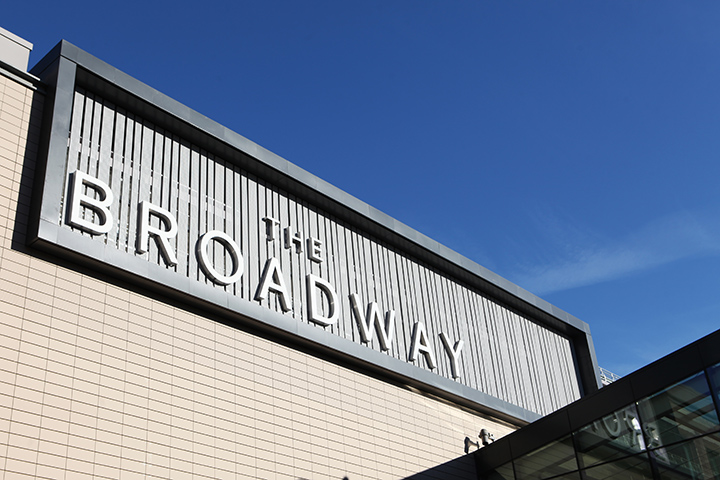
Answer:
x=180 y=302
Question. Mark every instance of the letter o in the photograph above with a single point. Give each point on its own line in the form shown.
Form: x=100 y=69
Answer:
x=230 y=246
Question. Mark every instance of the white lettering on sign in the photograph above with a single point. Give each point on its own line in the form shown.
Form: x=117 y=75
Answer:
x=270 y=224
x=314 y=249
x=89 y=201
x=162 y=236
x=453 y=351
x=79 y=199
x=293 y=239
x=317 y=284
x=230 y=247
x=421 y=345
x=272 y=281
x=386 y=330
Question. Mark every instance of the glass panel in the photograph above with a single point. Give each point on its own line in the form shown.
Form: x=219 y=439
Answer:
x=697 y=459
x=609 y=438
x=504 y=472
x=553 y=459
x=630 y=468
x=680 y=412
x=567 y=476
x=714 y=374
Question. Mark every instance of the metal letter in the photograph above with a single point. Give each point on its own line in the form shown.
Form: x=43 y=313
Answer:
x=385 y=331
x=420 y=345
x=314 y=247
x=314 y=315
x=453 y=352
x=615 y=427
x=634 y=424
x=270 y=224
x=272 y=281
x=162 y=237
x=293 y=239
x=207 y=265
x=79 y=199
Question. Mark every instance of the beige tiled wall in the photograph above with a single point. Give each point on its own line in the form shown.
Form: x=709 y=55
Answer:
x=98 y=381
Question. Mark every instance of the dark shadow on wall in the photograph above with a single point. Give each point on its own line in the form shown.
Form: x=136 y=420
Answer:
x=24 y=210
x=461 y=468
x=302 y=478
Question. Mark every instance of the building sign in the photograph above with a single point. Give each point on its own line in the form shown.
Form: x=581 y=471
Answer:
x=245 y=231
x=90 y=209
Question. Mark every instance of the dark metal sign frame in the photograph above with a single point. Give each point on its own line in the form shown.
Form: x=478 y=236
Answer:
x=67 y=67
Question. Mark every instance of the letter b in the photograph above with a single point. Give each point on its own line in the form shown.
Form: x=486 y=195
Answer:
x=79 y=199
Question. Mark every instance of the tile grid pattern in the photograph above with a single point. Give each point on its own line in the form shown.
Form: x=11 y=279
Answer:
x=97 y=381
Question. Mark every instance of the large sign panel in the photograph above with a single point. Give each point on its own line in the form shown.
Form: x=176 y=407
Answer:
x=145 y=200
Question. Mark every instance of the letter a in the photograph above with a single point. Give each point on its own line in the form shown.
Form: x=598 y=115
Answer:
x=420 y=345
x=272 y=281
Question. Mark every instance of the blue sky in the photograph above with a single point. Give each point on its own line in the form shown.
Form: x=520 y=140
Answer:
x=571 y=147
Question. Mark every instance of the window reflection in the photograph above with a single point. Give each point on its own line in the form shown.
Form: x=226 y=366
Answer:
x=682 y=411
x=567 y=476
x=714 y=376
x=698 y=459
x=504 y=472
x=671 y=435
x=614 y=436
x=553 y=459
x=630 y=468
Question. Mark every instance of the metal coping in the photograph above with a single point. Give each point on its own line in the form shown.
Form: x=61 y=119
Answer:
x=66 y=65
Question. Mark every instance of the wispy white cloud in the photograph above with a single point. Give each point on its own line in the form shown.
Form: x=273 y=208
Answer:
x=587 y=261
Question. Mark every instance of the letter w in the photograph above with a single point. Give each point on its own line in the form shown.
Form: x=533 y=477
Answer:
x=386 y=329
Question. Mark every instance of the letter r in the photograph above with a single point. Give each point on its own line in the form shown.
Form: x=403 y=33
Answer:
x=161 y=236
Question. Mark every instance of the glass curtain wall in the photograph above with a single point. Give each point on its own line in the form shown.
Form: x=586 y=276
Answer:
x=672 y=434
